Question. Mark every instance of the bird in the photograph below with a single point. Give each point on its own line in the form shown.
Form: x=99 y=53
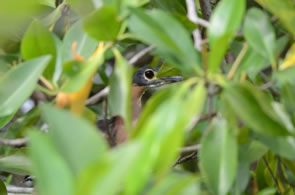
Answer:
x=143 y=79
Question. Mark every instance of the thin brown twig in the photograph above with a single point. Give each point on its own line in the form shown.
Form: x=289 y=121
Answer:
x=272 y=90
x=17 y=143
x=206 y=8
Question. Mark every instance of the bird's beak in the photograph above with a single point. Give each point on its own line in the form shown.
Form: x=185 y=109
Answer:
x=165 y=80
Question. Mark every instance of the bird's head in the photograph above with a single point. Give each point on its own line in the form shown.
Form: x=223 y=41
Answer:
x=147 y=77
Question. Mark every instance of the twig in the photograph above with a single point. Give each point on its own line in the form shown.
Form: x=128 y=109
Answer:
x=192 y=148
x=16 y=189
x=18 y=143
x=272 y=174
x=186 y=158
x=99 y=96
x=238 y=61
x=206 y=8
x=192 y=15
x=47 y=83
x=140 y=54
x=272 y=90
x=201 y=118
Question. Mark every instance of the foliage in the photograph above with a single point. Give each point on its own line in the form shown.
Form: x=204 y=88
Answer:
x=227 y=128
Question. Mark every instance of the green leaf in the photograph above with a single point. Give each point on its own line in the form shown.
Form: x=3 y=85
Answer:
x=176 y=183
x=160 y=148
x=18 y=84
x=3 y=190
x=255 y=151
x=256 y=110
x=53 y=174
x=84 y=7
x=283 y=146
x=219 y=157
x=83 y=137
x=5 y=119
x=38 y=41
x=16 y=163
x=174 y=6
x=103 y=24
x=167 y=70
x=85 y=44
x=174 y=45
x=106 y=176
x=253 y=63
x=260 y=34
x=224 y=23
x=120 y=91
x=79 y=73
x=284 y=10
x=50 y=3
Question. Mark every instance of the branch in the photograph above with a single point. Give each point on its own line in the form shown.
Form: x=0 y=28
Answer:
x=99 y=96
x=206 y=8
x=16 y=189
x=18 y=143
x=192 y=148
x=272 y=174
x=192 y=15
x=186 y=158
x=140 y=54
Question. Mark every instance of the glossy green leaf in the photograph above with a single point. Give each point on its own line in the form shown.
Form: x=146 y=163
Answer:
x=85 y=44
x=103 y=24
x=174 y=45
x=18 y=84
x=3 y=190
x=284 y=10
x=16 y=163
x=120 y=90
x=255 y=109
x=54 y=180
x=83 y=137
x=38 y=41
x=224 y=23
x=177 y=183
x=219 y=157
x=260 y=33
x=79 y=73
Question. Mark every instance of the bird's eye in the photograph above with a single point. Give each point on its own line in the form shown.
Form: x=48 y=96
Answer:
x=149 y=74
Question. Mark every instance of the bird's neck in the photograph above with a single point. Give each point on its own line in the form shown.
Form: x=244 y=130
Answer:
x=137 y=92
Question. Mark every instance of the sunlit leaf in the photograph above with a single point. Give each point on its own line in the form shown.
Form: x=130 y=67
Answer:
x=39 y=41
x=260 y=33
x=284 y=10
x=103 y=24
x=219 y=161
x=18 y=84
x=224 y=23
